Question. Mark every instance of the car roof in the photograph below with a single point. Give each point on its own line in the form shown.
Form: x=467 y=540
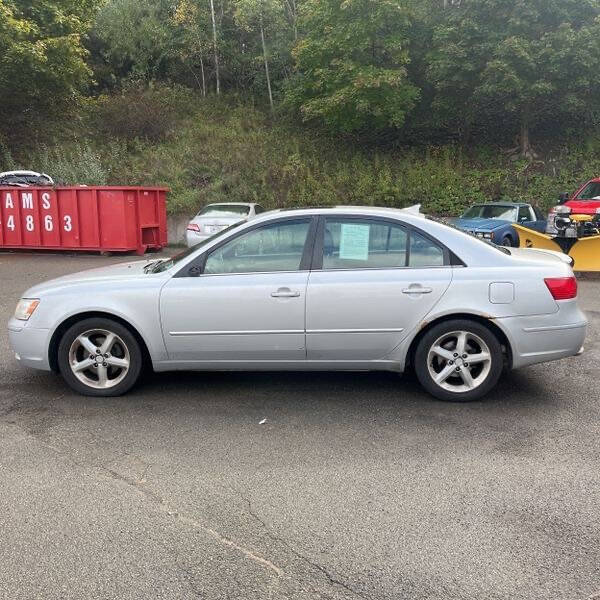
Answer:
x=230 y=204
x=501 y=204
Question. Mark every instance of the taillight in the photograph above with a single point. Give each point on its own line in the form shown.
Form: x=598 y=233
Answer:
x=193 y=227
x=562 y=288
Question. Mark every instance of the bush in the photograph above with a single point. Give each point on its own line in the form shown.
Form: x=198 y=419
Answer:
x=69 y=164
x=139 y=111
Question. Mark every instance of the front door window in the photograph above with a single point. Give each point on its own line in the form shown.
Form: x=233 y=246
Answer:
x=268 y=249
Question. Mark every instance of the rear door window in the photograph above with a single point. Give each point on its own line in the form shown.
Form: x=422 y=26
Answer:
x=363 y=244
x=376 y=244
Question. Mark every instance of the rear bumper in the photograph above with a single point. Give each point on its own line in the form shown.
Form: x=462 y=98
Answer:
x=29 y=344
x=544 y=338
x=192 y=238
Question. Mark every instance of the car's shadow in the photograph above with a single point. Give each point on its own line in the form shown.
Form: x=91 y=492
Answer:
x=40 y=398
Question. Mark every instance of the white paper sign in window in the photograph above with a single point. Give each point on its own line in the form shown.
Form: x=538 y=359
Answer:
x=354 y=242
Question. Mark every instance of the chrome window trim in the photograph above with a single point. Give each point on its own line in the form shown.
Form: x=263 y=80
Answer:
x=240 y=332
x=381 y=330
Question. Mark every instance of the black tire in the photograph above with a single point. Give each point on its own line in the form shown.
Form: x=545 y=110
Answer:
x=127 y=347
x=455 y=379
x=507 y=241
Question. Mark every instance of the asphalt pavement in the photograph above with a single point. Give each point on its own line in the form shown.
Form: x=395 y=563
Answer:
x=357 y=485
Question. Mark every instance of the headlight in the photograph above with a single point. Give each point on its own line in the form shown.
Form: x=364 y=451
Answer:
x=25 y=308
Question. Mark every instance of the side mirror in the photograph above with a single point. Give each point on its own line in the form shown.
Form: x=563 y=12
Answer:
x=523 y=219
x=563 y=197
x=195 y=271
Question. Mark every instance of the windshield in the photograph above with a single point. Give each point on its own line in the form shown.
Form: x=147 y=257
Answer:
x=167 y=263
x=590 y=192
x=491 y=211
x=224 y=210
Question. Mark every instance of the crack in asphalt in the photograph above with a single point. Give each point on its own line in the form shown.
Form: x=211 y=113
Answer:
x=333 y=580
x=138 y=486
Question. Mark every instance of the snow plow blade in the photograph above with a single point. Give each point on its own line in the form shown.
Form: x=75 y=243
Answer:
x=584 y=251
x=586 y=254
x=529 y=238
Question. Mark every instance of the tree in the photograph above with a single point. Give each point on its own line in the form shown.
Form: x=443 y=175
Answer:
x=351 y=64
x=190 y=17
x=136 y=37
x=513 y=62
x=42 y=58
x=260 y=14
x=215 y=48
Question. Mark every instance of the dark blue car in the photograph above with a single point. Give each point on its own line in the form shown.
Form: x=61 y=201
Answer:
x=494 y=221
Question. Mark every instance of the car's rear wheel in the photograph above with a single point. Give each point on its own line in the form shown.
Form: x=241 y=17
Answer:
x=459 y=360
x=99 y=357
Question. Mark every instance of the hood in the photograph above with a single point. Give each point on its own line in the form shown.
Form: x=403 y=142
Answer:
x=583 y=207
x=479 y=224
x=116 y=272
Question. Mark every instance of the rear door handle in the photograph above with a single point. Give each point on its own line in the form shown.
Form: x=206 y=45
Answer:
x=285 y=293
x=417 y=289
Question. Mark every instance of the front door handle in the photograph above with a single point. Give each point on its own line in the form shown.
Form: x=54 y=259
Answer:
x=417 y=289
x=285 y=293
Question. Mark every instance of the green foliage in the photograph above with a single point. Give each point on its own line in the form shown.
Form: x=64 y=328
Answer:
x=42 y=60
x=135 y=38
x=73 y=164
x=520 y=63
x=352 y=64
x=226 y=152
x=406 y=101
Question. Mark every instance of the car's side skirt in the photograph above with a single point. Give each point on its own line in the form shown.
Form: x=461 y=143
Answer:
x=276 y=365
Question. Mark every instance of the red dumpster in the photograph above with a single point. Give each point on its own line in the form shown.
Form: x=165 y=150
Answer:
x=105 y=219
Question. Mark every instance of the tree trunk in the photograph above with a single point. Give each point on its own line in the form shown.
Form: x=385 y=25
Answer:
x=203 y=79
x=524 y=139
x=214 y=28
x=264 y=46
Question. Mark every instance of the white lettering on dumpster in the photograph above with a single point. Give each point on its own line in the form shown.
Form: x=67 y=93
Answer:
x=29 y=223
x=8 y=202
x=10 y=224
x=27 y=200
x=46 y=201
x=48 y=225
x=68 y=224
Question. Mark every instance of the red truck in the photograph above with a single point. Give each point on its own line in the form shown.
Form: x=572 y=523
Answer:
x=586 y=200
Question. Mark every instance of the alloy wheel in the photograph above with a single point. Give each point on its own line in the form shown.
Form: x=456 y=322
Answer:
x=459 y=361
x=99 y=359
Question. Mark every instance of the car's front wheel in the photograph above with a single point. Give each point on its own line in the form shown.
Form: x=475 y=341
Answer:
x=99 y=357
x=459 y=360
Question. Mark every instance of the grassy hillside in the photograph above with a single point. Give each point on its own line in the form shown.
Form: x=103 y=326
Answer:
x=208 y=151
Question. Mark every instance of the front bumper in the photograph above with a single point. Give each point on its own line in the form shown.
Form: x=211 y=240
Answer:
x=29 y=344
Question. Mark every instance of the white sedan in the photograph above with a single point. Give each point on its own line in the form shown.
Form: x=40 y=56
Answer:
x=310 y=289
x=213 y=218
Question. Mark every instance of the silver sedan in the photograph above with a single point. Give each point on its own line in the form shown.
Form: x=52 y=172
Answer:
x=311 y=289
